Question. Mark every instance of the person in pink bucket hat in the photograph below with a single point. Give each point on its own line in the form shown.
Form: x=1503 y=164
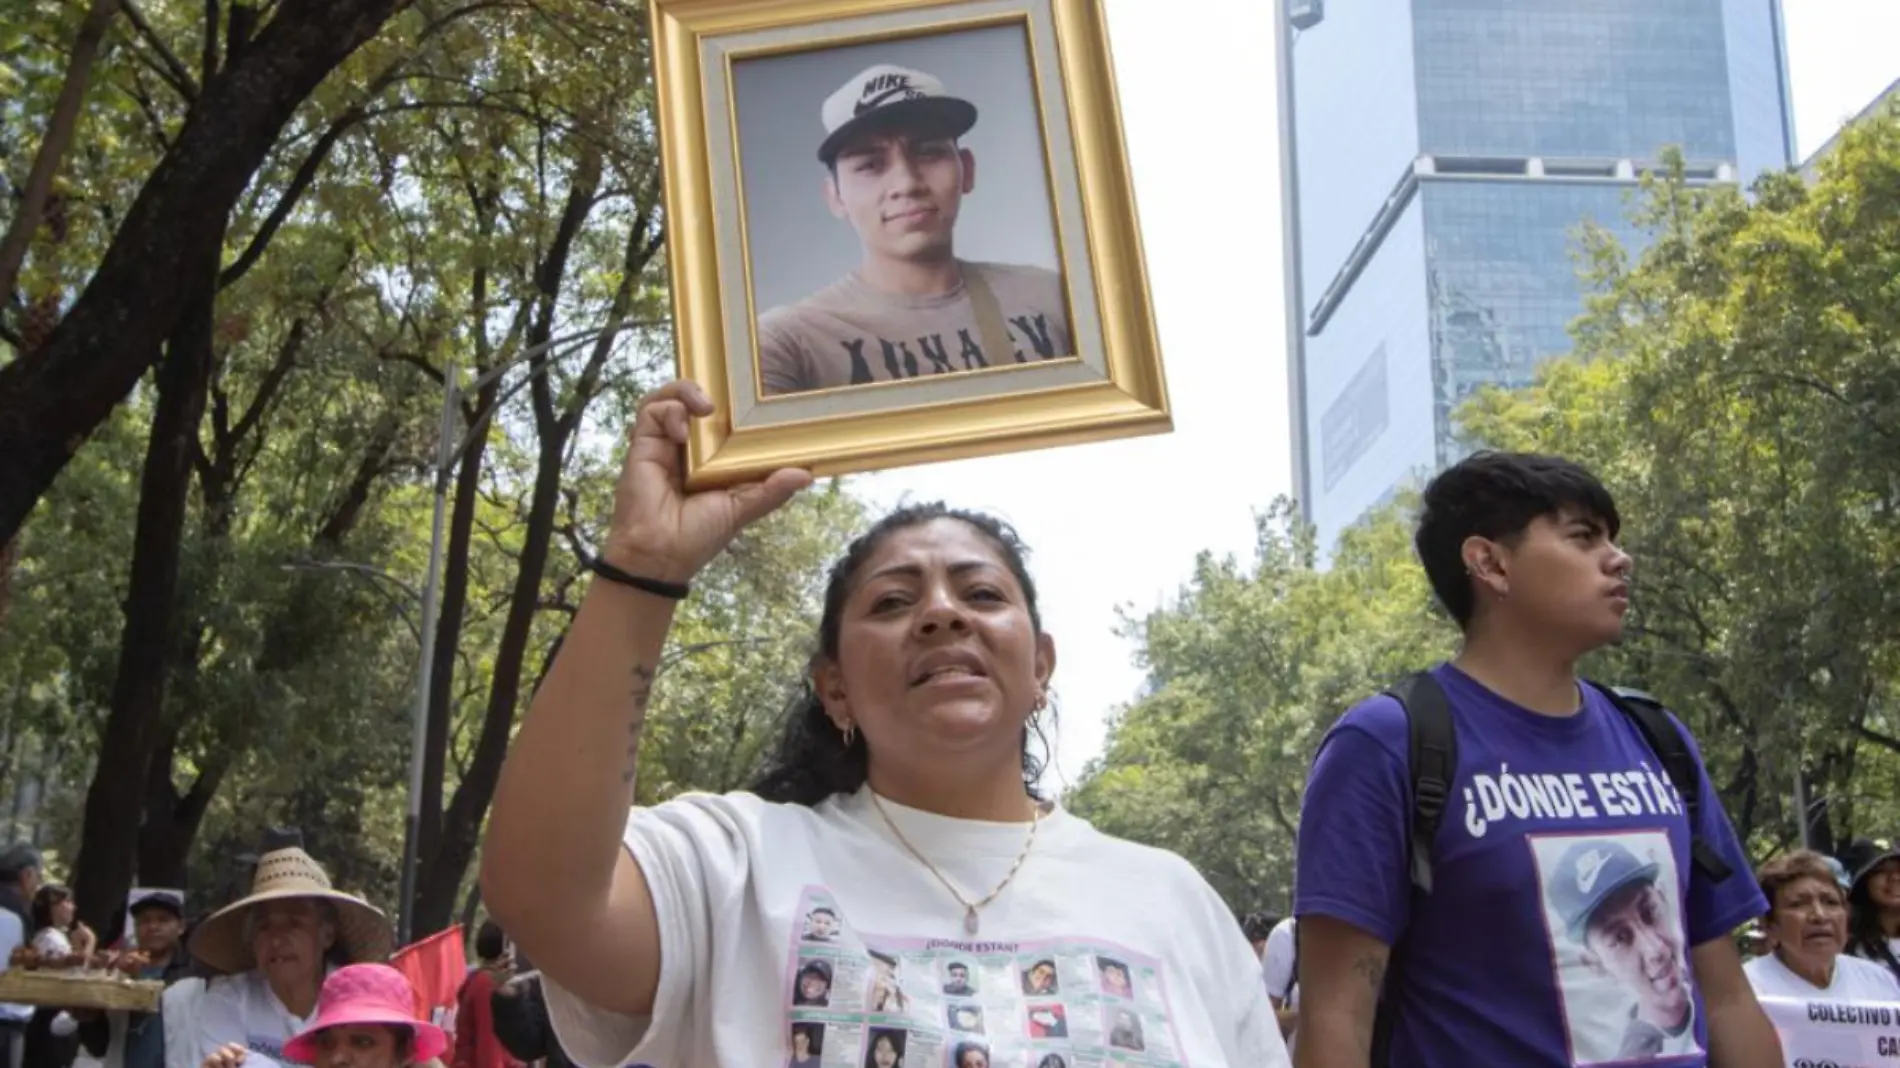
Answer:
x=366 y=1018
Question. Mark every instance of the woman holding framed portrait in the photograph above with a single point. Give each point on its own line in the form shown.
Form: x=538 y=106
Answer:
x=903 y=790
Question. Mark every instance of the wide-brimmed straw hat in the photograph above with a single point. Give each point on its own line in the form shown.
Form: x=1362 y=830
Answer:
x=288 y=875
x=367 y=995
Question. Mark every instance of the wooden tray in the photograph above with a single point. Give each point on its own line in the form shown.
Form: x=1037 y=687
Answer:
x=79 y=990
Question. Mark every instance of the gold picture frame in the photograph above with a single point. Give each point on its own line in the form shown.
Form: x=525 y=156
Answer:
x=720 y=70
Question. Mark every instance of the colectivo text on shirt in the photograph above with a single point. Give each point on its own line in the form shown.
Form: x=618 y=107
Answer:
x=901 y=362
x=1491 y=799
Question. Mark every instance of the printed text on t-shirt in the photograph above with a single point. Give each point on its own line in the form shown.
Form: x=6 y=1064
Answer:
x=1492 y=799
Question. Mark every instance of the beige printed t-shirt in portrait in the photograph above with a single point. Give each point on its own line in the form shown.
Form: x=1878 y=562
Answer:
x=849 y=333
x=780 y=917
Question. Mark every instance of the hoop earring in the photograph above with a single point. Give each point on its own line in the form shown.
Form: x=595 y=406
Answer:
x=850 y=733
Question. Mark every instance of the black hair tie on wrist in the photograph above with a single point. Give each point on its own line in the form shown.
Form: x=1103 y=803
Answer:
x=672 y=591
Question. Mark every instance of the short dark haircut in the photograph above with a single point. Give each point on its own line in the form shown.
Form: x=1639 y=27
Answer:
x=1497 y=495
x=1258 y=925
x=490 y=942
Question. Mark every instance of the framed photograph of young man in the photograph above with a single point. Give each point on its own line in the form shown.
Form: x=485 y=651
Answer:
x=900 y=231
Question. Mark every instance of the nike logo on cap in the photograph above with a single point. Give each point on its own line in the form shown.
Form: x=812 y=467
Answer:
x=872 y=102
x=1589 y=866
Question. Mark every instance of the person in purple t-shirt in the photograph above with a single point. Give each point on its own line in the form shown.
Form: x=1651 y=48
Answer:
x=1566 y=924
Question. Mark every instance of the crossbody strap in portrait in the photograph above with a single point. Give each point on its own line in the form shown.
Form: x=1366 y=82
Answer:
x=989 y=316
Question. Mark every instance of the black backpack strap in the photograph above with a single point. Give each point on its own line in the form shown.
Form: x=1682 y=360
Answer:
x=1432 y=741
x=1665 y=738
x=1434 y=765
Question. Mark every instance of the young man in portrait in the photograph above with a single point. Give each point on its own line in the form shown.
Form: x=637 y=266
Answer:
x=897 y=173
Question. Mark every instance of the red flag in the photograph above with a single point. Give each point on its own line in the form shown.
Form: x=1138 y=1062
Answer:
x=436 y=967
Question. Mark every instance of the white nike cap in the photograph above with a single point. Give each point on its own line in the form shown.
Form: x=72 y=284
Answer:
x=887 y=97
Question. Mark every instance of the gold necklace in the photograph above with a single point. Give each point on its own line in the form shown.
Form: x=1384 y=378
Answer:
x=970 y=908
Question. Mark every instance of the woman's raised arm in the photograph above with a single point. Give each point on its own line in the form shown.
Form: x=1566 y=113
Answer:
x=554 y=873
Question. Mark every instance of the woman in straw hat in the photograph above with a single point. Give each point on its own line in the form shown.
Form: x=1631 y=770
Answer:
x=366 y=1018
x=272 y=950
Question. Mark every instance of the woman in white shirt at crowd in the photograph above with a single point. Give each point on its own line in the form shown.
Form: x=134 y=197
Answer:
x=1807 y=931
x=56 y=935
x=901 y=800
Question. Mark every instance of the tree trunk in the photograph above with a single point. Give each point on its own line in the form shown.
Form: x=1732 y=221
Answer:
x=453 y=607
x=59 y=137
x=172 y=819
x=446 y=854
x=439 y=882
x=51 y=399
x=115 y=800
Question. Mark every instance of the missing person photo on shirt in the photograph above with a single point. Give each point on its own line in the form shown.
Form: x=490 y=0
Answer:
x=1613 y=909
x=1048 y=1020
x=821 y=924
x=899 y=211
x=1116 y=981
x=1039 y=978
x=964 y=1016
x=808 y=1044
x=811 y=985
x=884 y=1047
x=959 y=979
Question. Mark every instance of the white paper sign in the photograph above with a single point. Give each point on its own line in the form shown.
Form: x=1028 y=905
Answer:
x=1836 y=1034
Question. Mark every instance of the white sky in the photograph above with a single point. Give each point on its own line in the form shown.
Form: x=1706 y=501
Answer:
x=1119 y=523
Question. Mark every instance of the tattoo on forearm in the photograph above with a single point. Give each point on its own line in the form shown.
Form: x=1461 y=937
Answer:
x=642 y=688
x=641 y=691
x=1371 y=968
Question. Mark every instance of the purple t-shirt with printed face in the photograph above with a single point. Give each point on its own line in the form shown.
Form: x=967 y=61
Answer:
x=1564 y=903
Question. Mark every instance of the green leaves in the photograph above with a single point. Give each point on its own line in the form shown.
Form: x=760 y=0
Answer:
x=1737 y=385
x=1247 y=669
x=403 y=224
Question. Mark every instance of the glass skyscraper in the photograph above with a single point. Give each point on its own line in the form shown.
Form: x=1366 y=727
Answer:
x=1440 y=156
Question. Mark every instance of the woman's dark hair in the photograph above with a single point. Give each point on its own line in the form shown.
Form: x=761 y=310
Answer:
x=1866 y=937
x=814 y=1035
x=811 y=762
x=965 y=1048
x=1258 y=925
x=49 y=896
x=490 y=942
x=818 y=968
x=893 y=1039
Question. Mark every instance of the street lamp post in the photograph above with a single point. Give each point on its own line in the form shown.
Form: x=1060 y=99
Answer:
x=448 y=454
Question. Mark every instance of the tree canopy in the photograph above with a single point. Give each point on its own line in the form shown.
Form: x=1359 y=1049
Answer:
x=274 y=234
x=1736 y=383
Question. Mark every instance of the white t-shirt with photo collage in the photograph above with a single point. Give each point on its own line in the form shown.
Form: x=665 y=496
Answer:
x=811 y=936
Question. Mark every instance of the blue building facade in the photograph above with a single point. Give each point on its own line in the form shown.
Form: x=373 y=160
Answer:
x=1439 y=159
